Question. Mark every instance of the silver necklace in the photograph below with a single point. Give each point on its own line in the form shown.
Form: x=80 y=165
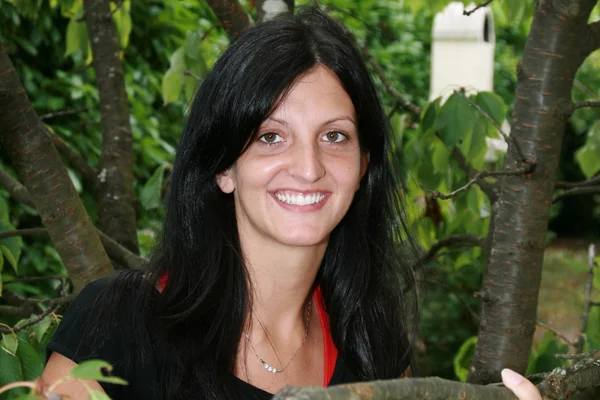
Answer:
x=268 y=366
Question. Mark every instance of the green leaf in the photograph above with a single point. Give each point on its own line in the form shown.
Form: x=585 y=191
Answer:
x=150 y=196
x=462 y=360
x=76 y=37
x=32 y=362
x=171 y=85
x=11 y=368
x=10 y=343
x=10 y=257
x=96 y=370
x=587 y=156
x=492 y=104
x=11 y=247
x=588 y=160
x=97 y=395
x=192 y=46
x=122 y=18
x=430 y=115
x=547 y=348
x=3 y=210
x=173 y=80
x=440 y=156
x=455 y=119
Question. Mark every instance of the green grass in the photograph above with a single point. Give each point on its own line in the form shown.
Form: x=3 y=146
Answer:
x=562 y=291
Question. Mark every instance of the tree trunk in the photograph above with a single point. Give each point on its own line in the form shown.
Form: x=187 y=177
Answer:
x=115 y=179
x=559 y=42
x=231 y=15
x=40 y=168
x=269 y=9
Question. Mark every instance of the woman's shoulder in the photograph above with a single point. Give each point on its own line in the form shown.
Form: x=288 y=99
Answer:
x=101 y=321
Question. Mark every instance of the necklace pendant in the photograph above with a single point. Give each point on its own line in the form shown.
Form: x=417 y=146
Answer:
x=268 y=367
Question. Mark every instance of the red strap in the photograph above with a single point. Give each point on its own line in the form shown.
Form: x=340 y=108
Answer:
x=329 y=349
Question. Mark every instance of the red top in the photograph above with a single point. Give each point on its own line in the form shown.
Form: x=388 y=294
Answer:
x=329 y=350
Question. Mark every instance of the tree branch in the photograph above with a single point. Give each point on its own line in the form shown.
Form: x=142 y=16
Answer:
x=37 y=162
x=231 y=15
x=559 y=384
x=569 y=185
x=507 y=138
x=76 y=160
x=587 y=306
x=62 y=113
x=16 y=190
x=480 y=175
x=583 y=104
x=454 y=240
x=477 y=7
x=114 y=194
x=115 y=251
x=490 y=189
x=24 y=232
x=561 y=335
x=401 y=101
x=578 y=191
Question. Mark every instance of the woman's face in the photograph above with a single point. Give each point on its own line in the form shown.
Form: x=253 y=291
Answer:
x=297 y=178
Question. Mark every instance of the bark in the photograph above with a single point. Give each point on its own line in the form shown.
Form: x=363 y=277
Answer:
x=114 y=193
x=231 y=15
x=117 y=253
x=269 y=9
x=556 y=47
x=38 y=164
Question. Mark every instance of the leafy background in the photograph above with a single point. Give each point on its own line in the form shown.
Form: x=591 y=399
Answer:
x=168 y=46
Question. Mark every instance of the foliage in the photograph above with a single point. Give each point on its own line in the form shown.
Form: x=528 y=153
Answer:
x=167 y=48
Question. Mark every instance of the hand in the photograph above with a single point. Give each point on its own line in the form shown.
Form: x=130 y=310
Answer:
x=520 y=386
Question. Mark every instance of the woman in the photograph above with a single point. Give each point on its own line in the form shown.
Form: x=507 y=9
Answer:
x=278 y=264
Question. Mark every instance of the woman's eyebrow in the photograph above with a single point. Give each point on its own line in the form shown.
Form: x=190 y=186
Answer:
x=329 y=121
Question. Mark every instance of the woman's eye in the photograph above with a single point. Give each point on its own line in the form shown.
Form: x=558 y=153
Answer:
x=334 y=137
x=270 y=138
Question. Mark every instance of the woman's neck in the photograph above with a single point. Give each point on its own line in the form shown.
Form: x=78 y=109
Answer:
x=281 y=282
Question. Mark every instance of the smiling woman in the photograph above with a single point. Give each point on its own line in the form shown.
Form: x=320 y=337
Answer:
x=284 y=254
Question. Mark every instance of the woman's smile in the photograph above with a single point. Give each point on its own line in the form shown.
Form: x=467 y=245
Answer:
x=301 y=200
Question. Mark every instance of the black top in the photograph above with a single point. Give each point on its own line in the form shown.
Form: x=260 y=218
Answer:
x=134 y=358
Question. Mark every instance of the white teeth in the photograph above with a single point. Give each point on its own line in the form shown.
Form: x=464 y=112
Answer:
x=300 y=200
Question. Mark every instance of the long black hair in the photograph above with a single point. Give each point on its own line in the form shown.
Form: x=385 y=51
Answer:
x=206 y=300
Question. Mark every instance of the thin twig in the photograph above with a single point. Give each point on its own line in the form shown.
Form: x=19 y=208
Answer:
x=454 y=240
x=569 y=185
x=480 y=175
x=187 y=72
x=509 y=139
x=588 y=296
x=583 y=104
x=33 y=279
x=15 y=188
x=24 y=232
x=477 y=7
x=75 y=159
x=595 y=354
x=413 y=109
x=62 y=113
x=564 y=337
x=578 y=191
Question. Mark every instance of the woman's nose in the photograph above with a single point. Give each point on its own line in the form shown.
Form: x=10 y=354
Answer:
x=307 y=163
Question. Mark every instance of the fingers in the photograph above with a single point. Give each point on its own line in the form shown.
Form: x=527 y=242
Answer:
x=520 y=386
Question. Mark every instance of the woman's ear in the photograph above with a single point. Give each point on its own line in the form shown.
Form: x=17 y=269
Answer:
x=364 y=163
x=225 y=181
